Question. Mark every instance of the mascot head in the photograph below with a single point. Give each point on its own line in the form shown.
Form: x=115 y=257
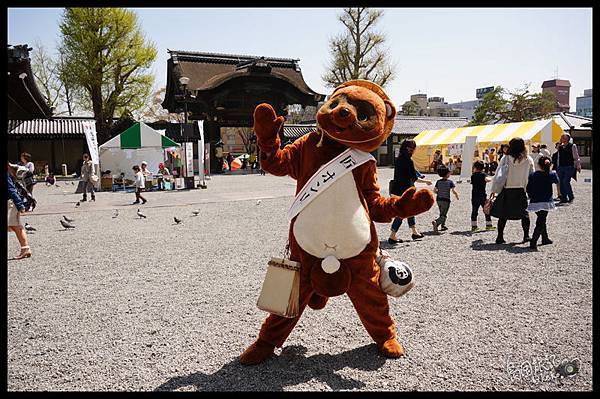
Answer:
x=358 y=114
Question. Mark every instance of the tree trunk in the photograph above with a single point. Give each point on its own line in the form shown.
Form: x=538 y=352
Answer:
x=68 y=100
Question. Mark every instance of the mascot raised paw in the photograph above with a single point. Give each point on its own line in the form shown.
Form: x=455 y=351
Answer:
x=332 y=232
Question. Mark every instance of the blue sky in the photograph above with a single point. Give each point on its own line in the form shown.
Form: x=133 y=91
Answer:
x=442 y=52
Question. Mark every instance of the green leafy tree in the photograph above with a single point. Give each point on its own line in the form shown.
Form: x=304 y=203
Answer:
x=500 y=105
x=107 y=56
x=358 y=53
x=410 y=108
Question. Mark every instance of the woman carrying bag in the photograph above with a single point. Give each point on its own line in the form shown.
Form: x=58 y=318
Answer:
x=509 y=186
x=405 y=176
x=88 y=177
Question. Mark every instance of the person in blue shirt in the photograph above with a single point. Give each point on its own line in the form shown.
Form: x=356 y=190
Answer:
x=539 y=190
x=16 y=207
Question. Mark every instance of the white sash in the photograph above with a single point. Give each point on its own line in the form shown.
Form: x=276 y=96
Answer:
x=326 y=176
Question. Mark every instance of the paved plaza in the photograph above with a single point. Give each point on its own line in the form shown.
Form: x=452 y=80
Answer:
x=130 y=304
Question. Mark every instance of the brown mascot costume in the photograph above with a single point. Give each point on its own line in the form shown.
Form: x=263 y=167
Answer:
x=333 y=236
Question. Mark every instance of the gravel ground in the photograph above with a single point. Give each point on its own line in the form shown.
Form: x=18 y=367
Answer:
x=130 y=304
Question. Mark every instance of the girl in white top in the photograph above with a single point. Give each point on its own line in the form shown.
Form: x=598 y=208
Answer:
x=139 y=185
x=511 y=203
x=28 y=180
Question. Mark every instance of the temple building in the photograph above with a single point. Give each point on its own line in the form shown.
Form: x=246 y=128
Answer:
x=224 y=89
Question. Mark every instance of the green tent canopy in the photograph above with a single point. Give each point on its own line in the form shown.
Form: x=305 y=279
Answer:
x=137 y=136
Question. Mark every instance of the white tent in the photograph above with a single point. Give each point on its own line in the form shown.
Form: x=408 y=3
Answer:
x=136 y=144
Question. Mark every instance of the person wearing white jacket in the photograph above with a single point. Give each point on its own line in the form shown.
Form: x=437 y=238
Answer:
x=139 y=185
x=511 y=202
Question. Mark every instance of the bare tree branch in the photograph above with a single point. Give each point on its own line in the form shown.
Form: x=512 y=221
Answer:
x=357 y=53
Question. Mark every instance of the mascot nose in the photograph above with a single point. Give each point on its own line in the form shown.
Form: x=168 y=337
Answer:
x=343 y=117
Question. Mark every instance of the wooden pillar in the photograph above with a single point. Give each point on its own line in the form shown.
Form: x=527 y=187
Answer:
x=52 y=166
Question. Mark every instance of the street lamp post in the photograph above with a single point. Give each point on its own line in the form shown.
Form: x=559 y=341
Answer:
x=184 y=80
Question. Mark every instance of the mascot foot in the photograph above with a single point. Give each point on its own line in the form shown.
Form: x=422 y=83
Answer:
x=391 y=348
x=317 y=301
x=257 y=353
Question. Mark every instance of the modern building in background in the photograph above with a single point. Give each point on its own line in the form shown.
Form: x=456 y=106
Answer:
x=432 y=106
x=466 y=109
x=561 y=89
x=419 y=99
x=583 y=104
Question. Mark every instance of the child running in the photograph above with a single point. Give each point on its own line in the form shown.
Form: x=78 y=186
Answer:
x=442 y=188
x=478 y=195
x=139 y=184
x=539 y=190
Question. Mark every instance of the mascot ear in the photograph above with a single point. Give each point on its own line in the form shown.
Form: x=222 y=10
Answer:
x=390 y=110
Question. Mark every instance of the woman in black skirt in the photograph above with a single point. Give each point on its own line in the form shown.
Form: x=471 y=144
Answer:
x=511 y=202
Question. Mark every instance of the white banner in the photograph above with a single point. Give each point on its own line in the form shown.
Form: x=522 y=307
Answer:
x=201 y=151
x=455 y=150
x=467 y=157
x=326 y=176
x=89 y=128
x=189 y=159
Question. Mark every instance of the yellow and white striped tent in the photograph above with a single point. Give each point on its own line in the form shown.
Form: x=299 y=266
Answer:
x=544 y=131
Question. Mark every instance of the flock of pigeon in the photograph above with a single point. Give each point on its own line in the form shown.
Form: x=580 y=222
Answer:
x=67 y=222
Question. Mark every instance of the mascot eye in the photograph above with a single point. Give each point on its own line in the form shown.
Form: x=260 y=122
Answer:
x=364 y=110
x=334 y=104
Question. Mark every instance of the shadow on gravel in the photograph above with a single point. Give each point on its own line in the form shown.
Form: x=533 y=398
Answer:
x=478 y=245
x=290 y=368
x=467 y=232
x=385 y=245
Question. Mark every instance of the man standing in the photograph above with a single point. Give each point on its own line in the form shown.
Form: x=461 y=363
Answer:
x=567 y=164
x=535 y=154
x=486 y=161
x=229 y=160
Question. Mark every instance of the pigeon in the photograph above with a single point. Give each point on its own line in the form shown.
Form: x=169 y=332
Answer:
x=116 y=213
x=77 y=204
x=68 y=219
x=29 y=227
x=196 y=213
x=72 y=183
x=177 y=220
x=140 y=214
x=66 y=225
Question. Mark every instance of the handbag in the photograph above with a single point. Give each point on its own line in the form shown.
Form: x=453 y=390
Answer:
x=94 y=178
x=29 y=202
x=395 y=277
x=497 y=207
x=487 y=206
x=280 y=292
x=500 y=177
